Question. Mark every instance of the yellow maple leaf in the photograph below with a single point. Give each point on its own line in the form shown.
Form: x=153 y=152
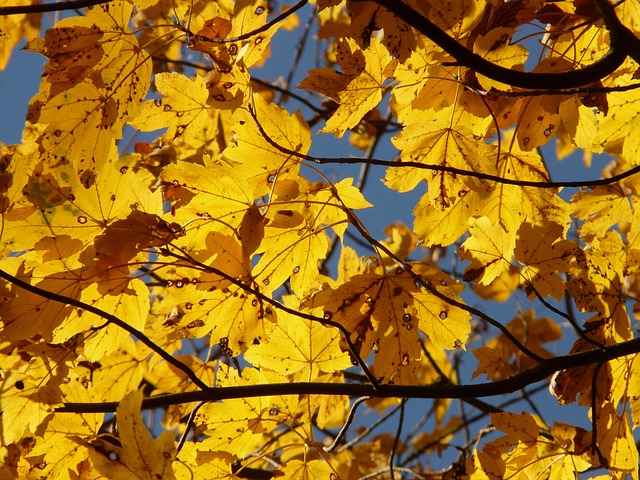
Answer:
x=490 y=250
x=540 y=116
x=596 y=284
x=401 y=241
x=85 y=105
x=366 y=17
x=239 y=425
x=615 y=440
x=515 y=204
x=358 y=89
x=306 y=470
x=65 y=206
x=617 y=132
x=436 y=226
x=601 y=208
x=291 y=253
x=62 y=447
x=30 y=387
x=457 y=18
x=115 y=375
x=19 y=305
x=544 y=254
x=140 y=453
x=262 y=163
x=183 y=107
x=621 y=372
x=493 y=47
x=295 y=240
x=206 y=198
x=413 y=74
x=197 y=463
x=384 y=312
x=200 y=303
x=13 y=28
x=299 y=348
x=213 y=22
x=500 y=358
x=432 y=140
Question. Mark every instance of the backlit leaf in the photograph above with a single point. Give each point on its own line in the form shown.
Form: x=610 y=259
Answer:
x=183 y=107
x=358 y=89
x=490 y=250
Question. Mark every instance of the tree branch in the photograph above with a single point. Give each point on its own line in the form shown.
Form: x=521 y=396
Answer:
x=110 y=319
x=448 y=169
x=49 y=7
x=490 y=389
x=622 y=42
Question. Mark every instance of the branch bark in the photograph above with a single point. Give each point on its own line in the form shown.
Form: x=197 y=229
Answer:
x=49 y=7
x=623 y=42
x=489 y=389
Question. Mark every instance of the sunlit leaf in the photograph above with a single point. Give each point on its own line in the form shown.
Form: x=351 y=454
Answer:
x=358 y=88
x=490 y=250
x=139 y=454
x=182 y=107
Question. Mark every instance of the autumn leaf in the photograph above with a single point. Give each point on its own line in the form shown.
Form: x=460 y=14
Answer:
x=295 y=238
x=540 y=116
x=207 y=199
x=500 y=358
x=13 y=29
x=432 y=141
x=300 y=350
x=366 y=17
x=385 y=310
x=512 y=204
x=400 y=241
x=226 y=302
x=495 y=46
x=30 y=392
x=61 y=449
x=139 y=454
x=264 y=163
x=436 y=226
x=240 y=424
x=183 y=107
x=358 y=88
x=490 y=250
x=616 y=441
x=312 y=470
x=80 y=103
x=544 y=254
x=600 y=208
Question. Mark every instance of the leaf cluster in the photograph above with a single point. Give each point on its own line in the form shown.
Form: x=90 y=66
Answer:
x=207 y=300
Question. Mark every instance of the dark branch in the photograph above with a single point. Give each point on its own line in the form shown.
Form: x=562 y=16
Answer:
x=453 y=170
x=252 y=33
x=49 y=7
x=501 y=387
x=622 y=43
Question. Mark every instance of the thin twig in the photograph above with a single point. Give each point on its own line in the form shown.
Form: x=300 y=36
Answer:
x=396 y=440
x=347 y=424
x=252 y=33
x=192 y=416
